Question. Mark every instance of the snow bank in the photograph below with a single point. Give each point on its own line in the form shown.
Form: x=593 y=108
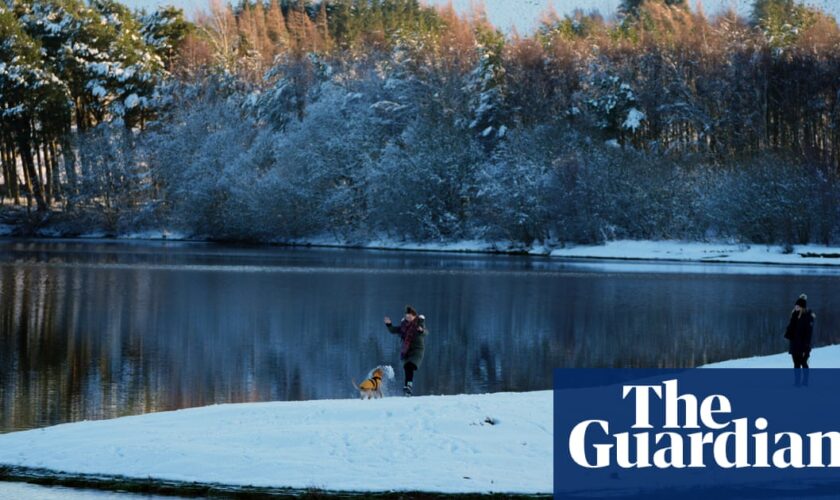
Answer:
x=623 y=249
x=155 y=235
x=704 y=252
x=821 y=357
x=670 y=250
x=429 y=443
x=455 y=246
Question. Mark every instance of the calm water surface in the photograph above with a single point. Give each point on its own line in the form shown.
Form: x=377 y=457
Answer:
x=92 y=330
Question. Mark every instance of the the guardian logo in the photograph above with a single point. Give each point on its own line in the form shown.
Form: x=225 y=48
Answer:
x=708 y=429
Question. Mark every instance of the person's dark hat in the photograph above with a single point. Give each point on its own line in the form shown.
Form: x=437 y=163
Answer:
x=802 y=301
x=410 y=310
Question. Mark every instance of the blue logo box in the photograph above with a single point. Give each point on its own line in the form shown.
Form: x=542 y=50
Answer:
x=698 y=433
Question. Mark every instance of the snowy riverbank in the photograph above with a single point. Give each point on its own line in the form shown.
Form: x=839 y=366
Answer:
x=705 y=252
x=668 y=250
x=643 y=250
x=821 y=357
x=429 y=443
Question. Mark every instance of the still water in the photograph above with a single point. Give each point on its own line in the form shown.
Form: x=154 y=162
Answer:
x=92 y=330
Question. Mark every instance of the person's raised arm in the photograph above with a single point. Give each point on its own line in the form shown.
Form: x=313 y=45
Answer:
x=390 y=326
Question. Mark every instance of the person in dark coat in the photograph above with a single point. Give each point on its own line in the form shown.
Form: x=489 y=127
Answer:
x=799 y=332
x=412 y=330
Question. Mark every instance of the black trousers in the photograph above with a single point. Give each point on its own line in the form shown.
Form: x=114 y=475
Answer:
x=409 y=371
x=800 y=360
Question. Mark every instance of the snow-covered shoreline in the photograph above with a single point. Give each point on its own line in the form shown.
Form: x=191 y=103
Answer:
x=451 y=444
x=634 y=250
x=706 y=252
x=821 y=357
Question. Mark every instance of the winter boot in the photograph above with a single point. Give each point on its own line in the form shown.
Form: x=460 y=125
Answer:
x=407 y=389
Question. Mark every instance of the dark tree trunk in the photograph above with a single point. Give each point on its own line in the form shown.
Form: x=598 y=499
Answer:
x=24 y=135
x=55 y=177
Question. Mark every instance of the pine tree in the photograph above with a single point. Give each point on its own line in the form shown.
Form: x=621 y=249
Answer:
x=782 y=21
x=487 y=86
x=164 y=30
x=32 y=98
x=100 y=54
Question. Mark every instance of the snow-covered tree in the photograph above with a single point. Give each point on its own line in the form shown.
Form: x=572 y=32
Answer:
x=31 y=98
x=115 y=184
x=164 y=30
x=197 y=157
x=294 y=82
x=613 y=104
x=428 y=182
x=98 y=51
x=514 y=190
x=782 y=21
x=328 y=156
x=487 y=86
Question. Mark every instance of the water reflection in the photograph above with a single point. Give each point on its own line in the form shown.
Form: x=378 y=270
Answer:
x=99 y=330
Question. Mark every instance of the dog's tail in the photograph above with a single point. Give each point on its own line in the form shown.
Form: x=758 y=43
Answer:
x=354 y=384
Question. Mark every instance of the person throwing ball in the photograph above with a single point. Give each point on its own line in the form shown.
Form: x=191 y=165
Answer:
x=412 y=332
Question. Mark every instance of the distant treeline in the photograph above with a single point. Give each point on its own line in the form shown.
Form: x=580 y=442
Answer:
x=362 y=119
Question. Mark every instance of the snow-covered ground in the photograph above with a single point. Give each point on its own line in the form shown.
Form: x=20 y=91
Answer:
x=704 y=252
x=428 y=443
x=821 y=357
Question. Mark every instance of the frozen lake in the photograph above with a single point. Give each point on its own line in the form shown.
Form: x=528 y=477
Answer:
x=92 y=329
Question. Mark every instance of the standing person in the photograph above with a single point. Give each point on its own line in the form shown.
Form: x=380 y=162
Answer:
x=799 y=332
x=412 y=331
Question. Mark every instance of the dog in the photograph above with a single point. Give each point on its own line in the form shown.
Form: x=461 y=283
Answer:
x=371 y=387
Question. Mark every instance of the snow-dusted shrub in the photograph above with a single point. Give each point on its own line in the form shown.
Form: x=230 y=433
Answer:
x=200 y=158
x=427 y=182
x=114 y=181
x=516 y=187
x=773 y=200
x=330 y=152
